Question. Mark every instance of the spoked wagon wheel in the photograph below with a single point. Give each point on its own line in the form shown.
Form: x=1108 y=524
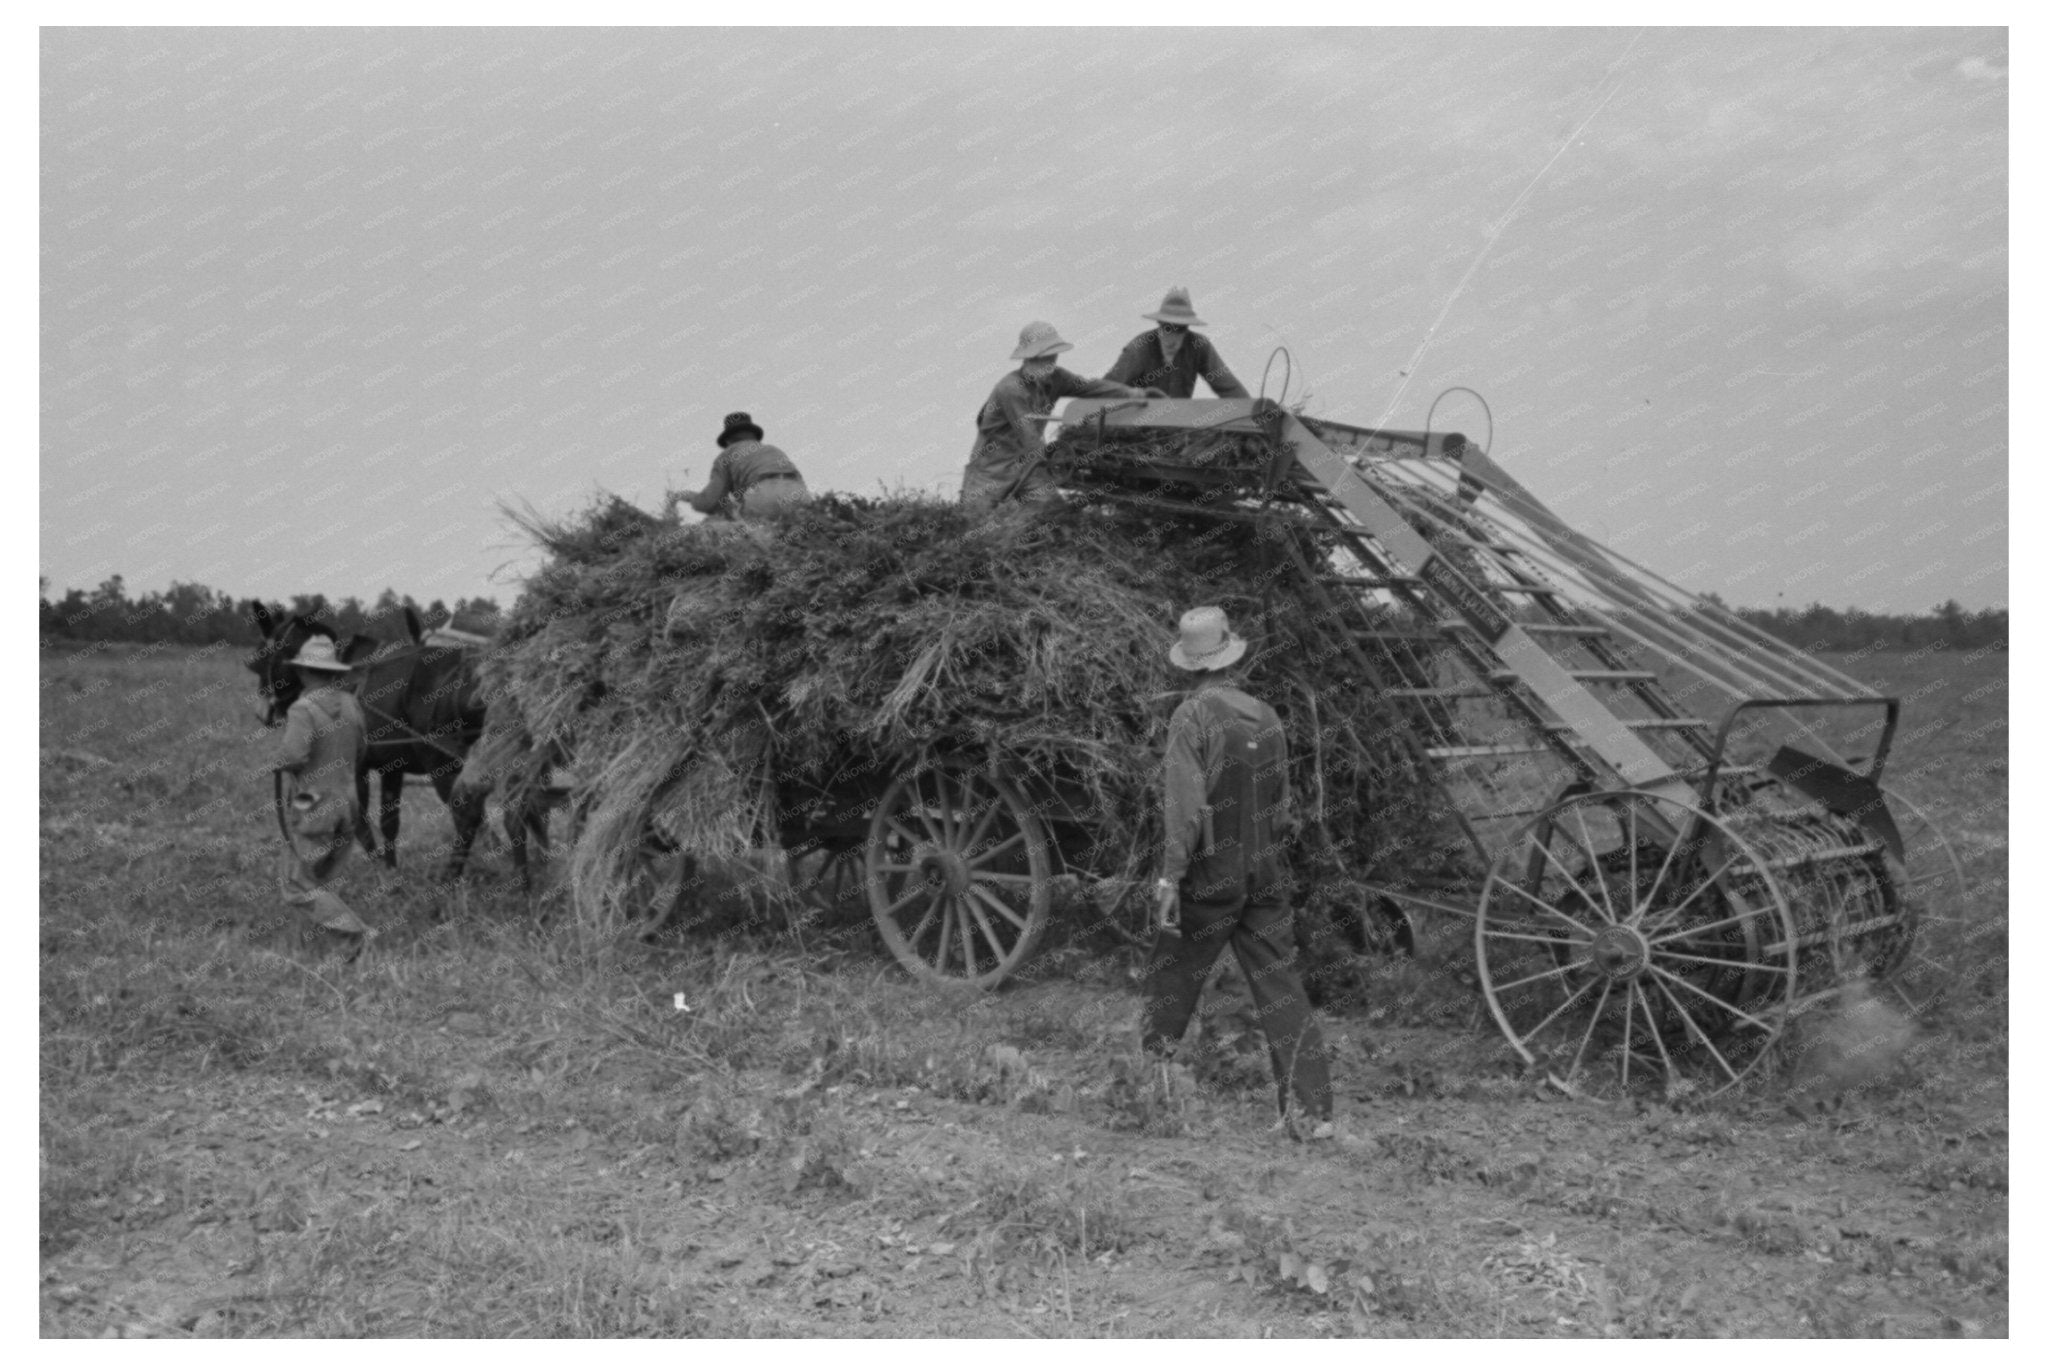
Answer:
x=1618 y=957
x=959 y=874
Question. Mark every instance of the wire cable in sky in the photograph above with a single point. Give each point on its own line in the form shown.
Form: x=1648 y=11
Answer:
x=1429 y=336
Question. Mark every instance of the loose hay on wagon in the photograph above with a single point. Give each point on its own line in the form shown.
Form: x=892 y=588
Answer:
x=1490 y=716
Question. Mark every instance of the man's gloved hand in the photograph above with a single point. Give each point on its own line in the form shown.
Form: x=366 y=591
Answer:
x=1166 y=907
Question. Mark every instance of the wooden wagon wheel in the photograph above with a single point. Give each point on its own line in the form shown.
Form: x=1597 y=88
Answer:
x=1618 y=958
x=959 y=873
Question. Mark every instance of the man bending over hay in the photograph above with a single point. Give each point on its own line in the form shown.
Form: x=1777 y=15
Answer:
x=754 y=478
x=1228 y=807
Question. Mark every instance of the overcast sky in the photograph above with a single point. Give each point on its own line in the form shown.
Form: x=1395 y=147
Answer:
x=314 y=302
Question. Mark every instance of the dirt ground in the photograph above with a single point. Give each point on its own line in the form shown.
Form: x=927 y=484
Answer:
x=494 y=1127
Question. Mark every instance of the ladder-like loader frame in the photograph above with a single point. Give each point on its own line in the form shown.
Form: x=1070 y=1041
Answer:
x=1651 y=907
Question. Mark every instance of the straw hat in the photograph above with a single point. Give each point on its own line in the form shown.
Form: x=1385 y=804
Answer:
x=1206 y=642
x=737 y=424
x=317 y=655
x=1176 y=307
x=1038 y=339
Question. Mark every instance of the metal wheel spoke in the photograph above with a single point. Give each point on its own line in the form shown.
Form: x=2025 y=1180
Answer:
x=1549 y=1018
x=995 y=903
x=978 y=859
x=1540 y=904
x=1628 y=1029
x=1606 y=990
x=923 y=926
x=959 y=813
x=1551 y=858
x=902 y=831
x=1711 y=999
x=995 y=804
x=906 y=898
x=1698 y=929
x=1008 y=878
x=1635 y=875
x=966 y=937
x=945 y=806
x=945 y=908
x=1549 y=940
x=884 y=867
x=1650 y=1021
x=1657 y=885
x=1593 y=862
x=987 y=932
x=1735 y=964
x=931 y=832
x=1693 y=1027
x=1672 y=914
x=1540 y=976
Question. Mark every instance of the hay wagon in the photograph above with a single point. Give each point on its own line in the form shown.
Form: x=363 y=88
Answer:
x=1657 y=885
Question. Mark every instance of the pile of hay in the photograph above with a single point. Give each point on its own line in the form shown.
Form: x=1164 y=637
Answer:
x=717 y=684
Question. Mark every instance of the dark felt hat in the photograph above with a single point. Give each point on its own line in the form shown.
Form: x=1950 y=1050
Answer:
x=738 y=425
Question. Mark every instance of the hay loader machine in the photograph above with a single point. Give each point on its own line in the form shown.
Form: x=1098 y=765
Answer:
x=1655 y=893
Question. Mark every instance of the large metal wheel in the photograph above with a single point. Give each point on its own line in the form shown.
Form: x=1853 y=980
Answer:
x=959 y=873
x=1626 y=943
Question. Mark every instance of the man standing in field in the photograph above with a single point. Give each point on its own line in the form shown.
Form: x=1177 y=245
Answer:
x=1224 y=880
x=757 y=478
x=1171 y=356
x=325 y=741
x=1008 y=460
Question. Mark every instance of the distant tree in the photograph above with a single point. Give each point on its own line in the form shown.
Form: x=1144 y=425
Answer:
x=349 y=617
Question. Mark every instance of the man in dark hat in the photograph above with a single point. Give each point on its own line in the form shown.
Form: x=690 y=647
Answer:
x=1171 y=356
x=1223 y=879
x=755 y=477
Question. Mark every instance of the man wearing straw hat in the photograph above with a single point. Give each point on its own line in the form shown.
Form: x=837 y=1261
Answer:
x=1228 y=811
x=757 y=477
x=1171 y=356
x=319 y=807
x=1008 y=460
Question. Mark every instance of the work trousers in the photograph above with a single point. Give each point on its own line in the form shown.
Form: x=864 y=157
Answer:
x=322 y=838
x=772 y=495
x=1262 y=934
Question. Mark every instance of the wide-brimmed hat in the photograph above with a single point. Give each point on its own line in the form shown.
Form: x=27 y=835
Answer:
x=1206 y=642
x=317 y=654
x=1176 y=307
x=1038 y=339
x=738 y=424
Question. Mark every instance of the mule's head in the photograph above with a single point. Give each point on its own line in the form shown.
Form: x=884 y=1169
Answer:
x=278 y=684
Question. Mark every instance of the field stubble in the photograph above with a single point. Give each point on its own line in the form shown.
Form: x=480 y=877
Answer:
x=496 y=1126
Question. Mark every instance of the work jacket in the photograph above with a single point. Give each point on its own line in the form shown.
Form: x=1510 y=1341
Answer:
x=1143 y=365
x=1008 y=460
x=1228 y=801
x=325 y=741
x=740 y=469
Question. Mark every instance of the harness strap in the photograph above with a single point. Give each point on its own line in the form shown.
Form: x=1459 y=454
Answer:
x=404 y=700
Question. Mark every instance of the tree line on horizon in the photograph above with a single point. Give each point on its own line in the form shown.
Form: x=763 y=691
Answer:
x=193 y=614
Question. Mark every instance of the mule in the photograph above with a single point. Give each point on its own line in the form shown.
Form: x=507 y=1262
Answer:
x=423 y=704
